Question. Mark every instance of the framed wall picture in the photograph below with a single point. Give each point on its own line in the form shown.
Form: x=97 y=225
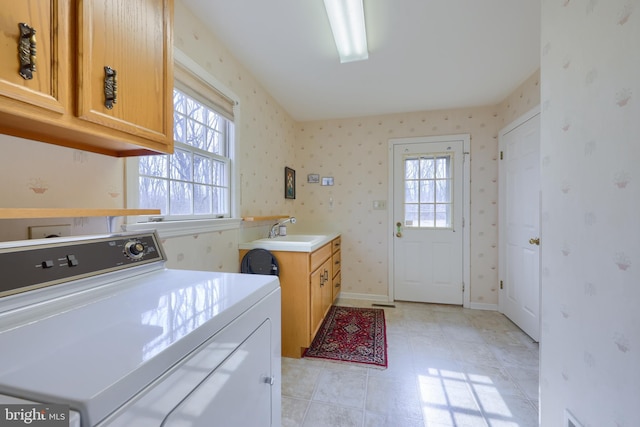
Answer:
x=289 y=183
x=313 y=178
x=327 y=180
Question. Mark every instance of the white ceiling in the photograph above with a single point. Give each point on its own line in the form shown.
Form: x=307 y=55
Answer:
x=423 y=54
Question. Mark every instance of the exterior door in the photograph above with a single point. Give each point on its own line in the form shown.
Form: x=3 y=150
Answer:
x=520 y=223
x=427 y=187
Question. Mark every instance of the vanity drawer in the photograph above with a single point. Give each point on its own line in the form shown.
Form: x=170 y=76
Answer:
x=335 y=244
x=336 y=257
x=319 y=256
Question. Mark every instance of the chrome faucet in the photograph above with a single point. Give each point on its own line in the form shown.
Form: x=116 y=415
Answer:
x=275 y=228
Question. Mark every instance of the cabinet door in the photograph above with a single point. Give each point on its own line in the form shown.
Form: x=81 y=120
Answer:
x=317 y=283
x=321 y=294
x=44 y=55
x=133 y=38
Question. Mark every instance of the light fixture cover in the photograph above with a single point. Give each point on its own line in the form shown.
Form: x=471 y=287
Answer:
x=347 y=24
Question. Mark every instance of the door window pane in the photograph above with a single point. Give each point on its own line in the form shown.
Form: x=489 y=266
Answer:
x=428 y=188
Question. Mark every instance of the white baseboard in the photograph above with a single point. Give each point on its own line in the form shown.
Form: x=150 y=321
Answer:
x=365 y=297
x=385 y=298
x=483 y=306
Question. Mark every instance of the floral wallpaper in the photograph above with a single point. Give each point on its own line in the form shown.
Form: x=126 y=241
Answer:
x=590 y=338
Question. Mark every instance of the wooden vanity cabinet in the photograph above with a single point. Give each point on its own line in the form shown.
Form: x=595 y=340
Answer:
x=307 y=285
x=63 y=100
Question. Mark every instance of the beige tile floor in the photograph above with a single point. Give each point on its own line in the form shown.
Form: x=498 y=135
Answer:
x=448 y=366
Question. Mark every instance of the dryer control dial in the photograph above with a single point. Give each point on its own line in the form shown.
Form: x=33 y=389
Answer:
x=134 y=249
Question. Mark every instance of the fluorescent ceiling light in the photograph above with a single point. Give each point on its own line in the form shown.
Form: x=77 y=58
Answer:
x=347 y=24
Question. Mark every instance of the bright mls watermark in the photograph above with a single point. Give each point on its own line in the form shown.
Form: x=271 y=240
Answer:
x=34 y=415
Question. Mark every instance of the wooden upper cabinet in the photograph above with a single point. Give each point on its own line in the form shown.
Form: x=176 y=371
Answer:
x=64 y=100
x=132 y=40
x=30 y=57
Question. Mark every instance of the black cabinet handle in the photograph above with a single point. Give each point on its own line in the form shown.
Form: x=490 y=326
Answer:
x=27 y=51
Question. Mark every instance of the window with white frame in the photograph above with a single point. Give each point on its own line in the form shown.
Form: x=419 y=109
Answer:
x=195 y=181
x=428 y=182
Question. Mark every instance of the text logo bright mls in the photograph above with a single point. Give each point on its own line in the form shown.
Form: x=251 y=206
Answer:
x=34 y=415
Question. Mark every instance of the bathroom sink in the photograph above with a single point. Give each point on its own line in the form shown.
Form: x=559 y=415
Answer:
x=291 y=242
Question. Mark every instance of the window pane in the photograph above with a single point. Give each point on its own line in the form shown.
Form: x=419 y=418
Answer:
x=443 y=191
x=201 y=199
x=220 y=197
x=179 y=128
x=411 y=215
x=215 y=143
x=427 y=217
x=181 y=198
x=411 y=168
x=443 y=215
x=202 y=169
x=426 y=191
x=153 y=194
x=442 y=167
x=153 y=166
x=178 y=101
x=411 y=192
x=219 y=175
x=427 y=170
x=181 y=165
x=195 y=110
x=196 y=133
x=215 y=121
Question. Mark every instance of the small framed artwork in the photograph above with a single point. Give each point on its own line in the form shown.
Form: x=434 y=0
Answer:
x=289 y=183
x=327 y=180
x=313 y=178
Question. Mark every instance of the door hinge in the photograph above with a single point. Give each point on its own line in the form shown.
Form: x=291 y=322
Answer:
x=462 y=222
x=462 y=287
x=501 y=285
x=501 y=155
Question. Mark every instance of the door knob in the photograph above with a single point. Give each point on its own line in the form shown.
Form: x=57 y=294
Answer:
x=398 y=229
x=535 y=241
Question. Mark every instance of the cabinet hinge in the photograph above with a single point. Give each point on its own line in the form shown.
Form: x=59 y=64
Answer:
x=501 y=155
x=501 y=285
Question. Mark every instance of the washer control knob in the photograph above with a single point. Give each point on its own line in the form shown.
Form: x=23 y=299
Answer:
x=134 y=249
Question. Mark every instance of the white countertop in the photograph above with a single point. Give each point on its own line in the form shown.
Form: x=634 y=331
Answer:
x=291 y=242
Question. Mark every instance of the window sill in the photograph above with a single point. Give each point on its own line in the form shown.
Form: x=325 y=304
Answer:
x=167 y=229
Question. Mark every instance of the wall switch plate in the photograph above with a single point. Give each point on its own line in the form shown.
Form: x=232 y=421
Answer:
x=45 y=231
x=380 y=205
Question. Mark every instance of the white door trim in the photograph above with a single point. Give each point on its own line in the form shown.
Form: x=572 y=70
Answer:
x=466 y=212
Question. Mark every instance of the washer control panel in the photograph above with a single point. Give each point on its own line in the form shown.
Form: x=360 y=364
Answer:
x=46 y=262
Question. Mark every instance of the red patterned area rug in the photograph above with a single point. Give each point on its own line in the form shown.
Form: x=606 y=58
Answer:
x=350 y=334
